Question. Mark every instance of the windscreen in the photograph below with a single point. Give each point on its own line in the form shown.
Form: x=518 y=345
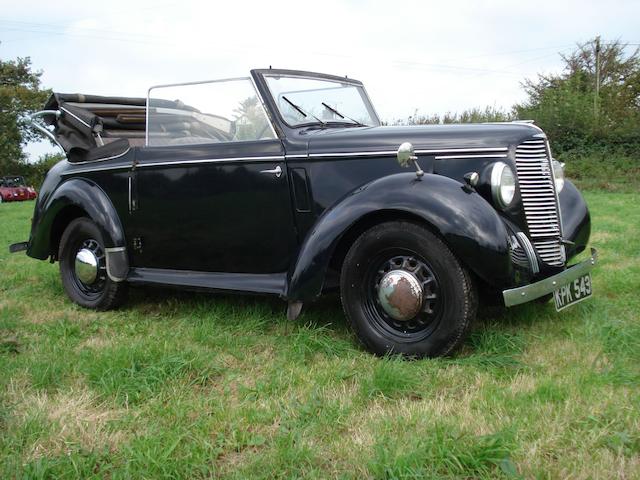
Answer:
x=303 y=100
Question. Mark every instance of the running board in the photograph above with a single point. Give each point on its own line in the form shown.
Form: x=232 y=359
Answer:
x=268 y=283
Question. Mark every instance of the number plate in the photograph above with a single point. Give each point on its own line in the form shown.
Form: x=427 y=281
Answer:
x=573 y=292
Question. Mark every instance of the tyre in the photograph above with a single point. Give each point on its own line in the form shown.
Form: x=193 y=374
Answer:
x=83 y=268
x=404 y=292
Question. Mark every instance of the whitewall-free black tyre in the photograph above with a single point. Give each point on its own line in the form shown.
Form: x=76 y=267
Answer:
x=404 y=292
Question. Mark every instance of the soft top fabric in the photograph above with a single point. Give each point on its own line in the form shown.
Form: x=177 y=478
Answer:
x=79 y=130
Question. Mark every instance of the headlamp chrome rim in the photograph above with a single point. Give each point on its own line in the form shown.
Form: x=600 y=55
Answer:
x=496 y=184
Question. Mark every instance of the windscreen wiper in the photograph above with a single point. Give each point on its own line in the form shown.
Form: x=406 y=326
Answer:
x=301 y=111
x=331 y=109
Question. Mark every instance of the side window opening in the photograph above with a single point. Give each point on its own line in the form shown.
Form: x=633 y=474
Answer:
x=219 y=111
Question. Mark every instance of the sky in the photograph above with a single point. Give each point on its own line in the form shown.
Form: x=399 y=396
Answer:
x=424 y=56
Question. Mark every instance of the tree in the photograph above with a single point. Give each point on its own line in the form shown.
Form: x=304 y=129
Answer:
x=35 y=172
x=250 y=119
x=471 y=115
x=20 y=94
x=594 y=101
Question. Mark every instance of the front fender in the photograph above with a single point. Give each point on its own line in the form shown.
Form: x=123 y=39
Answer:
x=469 y=226
x=576 y=221
x=88 y=196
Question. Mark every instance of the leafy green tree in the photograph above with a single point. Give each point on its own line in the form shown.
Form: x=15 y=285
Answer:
x=250 y=119
x=35 y=172
x=594 y=101
x=471 y=115
x=20 y=94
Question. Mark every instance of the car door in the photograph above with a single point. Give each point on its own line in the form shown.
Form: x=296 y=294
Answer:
x=216 y=206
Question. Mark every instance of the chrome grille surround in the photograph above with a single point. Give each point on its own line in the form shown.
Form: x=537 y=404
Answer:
x=539 y=200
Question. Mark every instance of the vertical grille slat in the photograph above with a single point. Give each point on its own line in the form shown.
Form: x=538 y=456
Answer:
x=537 y=189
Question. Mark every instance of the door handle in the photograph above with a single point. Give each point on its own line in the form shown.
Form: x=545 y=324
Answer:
x=274 y=171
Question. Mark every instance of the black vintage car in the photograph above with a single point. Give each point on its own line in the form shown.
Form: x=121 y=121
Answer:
x=286 y=183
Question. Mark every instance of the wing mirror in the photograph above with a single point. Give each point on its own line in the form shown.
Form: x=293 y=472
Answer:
x=406 y=156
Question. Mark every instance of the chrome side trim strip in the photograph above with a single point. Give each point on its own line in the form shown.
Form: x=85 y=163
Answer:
x=115 y=249
x=279 y=158
x=177 y=163
x=97 y=169
x=516 y=296
x=276 y=158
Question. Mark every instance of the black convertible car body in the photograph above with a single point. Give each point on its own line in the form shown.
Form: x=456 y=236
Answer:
x=286 y=183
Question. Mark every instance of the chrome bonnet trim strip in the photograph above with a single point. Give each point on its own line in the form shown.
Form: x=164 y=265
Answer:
x=462 y=150
x=417 y=152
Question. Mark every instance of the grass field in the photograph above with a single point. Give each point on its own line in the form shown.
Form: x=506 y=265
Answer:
x=180 y=385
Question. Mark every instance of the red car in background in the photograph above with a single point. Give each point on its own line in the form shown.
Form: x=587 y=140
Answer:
x=14 y=189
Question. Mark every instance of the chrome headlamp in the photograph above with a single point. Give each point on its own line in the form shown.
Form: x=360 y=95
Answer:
x=503 y=184
x=558 y=174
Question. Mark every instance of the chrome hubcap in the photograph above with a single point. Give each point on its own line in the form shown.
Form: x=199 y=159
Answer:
x=400 y=294
x=86 y=266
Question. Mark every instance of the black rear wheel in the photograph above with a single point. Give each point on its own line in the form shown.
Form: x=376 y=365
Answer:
x=83 y=267
x=405 y=292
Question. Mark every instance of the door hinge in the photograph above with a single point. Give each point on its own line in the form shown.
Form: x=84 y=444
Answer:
x=137 y=244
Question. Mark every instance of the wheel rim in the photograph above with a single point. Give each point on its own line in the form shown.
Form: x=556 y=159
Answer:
x=89 y=268
x=402 y=297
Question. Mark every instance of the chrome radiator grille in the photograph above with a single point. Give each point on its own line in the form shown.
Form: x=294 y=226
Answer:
x=537 y=189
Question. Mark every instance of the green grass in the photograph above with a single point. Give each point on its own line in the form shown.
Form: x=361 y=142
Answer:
x=181 y=385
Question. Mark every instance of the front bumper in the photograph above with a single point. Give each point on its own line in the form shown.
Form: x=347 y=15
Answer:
x=516 y=296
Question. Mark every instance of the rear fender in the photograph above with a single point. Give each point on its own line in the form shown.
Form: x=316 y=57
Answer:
x=85 y=195
x=466 y=222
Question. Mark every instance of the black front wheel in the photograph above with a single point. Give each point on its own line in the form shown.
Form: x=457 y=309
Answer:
x=83 y=267
x=404 y=292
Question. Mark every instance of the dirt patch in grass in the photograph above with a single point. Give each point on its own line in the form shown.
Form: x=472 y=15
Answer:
x=567 y=353
x=96 y=342
x=75 y=420
x=601 y=236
